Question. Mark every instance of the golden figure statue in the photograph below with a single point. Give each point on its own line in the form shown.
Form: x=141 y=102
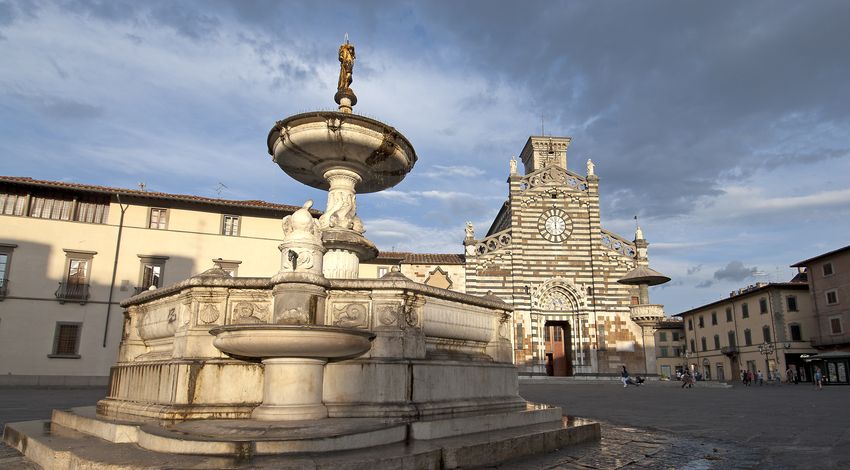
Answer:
x=346 y=64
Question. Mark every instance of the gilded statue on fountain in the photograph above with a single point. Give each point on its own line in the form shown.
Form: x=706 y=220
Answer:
x=346 y=64
x=345 y=95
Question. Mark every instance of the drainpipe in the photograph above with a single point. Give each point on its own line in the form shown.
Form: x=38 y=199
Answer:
x=114 y=268
x=592 y=296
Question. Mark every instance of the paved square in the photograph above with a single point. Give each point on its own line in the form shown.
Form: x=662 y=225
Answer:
x=658 y=425
x=772 y=426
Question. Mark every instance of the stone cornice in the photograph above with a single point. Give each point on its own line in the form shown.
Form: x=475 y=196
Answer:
x=402 y=283
x=393 y=283
x=199 y=281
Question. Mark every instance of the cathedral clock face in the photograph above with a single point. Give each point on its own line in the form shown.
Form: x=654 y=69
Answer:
x=555 y=225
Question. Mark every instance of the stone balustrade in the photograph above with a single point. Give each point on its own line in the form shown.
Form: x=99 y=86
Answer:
x=646 y=314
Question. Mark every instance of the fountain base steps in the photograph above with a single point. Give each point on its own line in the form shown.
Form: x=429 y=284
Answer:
x=78 y=438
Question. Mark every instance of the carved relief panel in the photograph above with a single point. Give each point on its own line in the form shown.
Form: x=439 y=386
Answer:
x=350 y=315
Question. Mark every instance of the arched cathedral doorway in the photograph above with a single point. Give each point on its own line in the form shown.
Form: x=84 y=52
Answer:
x=558 y=347
x=559 y=303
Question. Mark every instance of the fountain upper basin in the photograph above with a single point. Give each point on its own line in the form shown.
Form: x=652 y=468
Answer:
x=305 y=341
x=307 y=145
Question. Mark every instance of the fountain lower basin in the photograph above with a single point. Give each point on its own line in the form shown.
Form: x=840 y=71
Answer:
x=294 y=358
x=306 y=341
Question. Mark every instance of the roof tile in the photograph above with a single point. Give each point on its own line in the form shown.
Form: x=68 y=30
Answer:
x=252 y=203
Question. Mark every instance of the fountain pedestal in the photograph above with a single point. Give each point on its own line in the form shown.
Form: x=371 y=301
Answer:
x=292 y=389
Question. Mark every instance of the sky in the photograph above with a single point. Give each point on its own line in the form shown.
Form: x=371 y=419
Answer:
x=722 y=125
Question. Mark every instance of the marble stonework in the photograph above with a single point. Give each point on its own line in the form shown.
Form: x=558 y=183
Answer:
x=168 y=367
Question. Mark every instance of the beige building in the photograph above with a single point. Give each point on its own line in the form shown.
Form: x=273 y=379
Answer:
x=669 y=346
x=765 y=327
x=829 y=288
x=69 y=253
x=445 y=271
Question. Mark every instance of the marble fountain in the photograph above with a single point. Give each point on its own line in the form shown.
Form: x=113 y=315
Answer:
x=311 y=367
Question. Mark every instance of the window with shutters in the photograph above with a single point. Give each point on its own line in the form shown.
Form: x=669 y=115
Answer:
x=12 y=204
x=5 y=263
x=158 y=219
x=151 y=271
x=51 y=208
x=230 y=225
x=75 y=285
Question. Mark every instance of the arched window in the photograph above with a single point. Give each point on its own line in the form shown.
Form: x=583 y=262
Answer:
x=748 y=337
x=702 y=343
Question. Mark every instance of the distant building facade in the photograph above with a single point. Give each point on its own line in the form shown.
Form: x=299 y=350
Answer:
x=69 y=253
x=829 y=290
x=766 y=327
x=669 y=347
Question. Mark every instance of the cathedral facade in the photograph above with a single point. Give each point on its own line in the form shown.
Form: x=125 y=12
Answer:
x=546 y=253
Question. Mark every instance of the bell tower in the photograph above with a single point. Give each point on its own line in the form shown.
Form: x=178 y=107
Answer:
x=542 y=151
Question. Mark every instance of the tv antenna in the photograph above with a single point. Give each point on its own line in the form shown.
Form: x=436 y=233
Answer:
x=221 y=187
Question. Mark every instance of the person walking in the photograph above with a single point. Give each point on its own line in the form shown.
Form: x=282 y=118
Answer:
x=624 y=376
x=750 y=377
x=687 y=380
x=760 y=378
x=789 y=375
x=818 y=378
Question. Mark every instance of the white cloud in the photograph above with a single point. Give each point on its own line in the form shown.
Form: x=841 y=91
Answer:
x=740 y=201
x=448 y=171
x=417 y=197
x=392 y=234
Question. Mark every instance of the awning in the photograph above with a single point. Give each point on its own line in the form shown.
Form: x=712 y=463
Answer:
x=826 y=356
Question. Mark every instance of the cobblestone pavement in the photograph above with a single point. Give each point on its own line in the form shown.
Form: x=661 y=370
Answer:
x=633 y=448
x=773 y=426
x=658 y=425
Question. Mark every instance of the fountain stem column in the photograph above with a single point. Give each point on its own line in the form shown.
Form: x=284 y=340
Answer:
x=342 y=261
x=292 y=389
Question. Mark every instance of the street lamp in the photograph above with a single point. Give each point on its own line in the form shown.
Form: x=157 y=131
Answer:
x=685 y=356
x=767 y=349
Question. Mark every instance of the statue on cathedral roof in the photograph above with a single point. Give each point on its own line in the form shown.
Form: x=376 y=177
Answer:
x=590 y=167
x=470 y=231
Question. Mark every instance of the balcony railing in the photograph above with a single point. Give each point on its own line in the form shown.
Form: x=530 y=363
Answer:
x=729 y=350
x=831 y=340
x=75 y=292
x=4 y=288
